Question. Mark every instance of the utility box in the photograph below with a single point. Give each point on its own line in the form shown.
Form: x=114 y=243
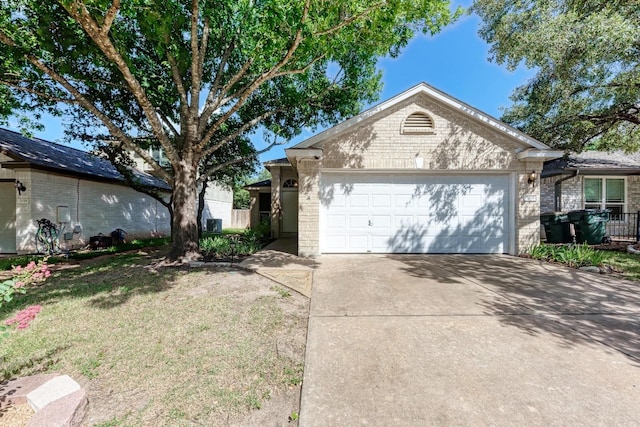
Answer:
x=214 y=225
x=63 y=214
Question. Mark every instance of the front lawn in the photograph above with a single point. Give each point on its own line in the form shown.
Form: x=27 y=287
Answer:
x=628 y=264
x=163 y=346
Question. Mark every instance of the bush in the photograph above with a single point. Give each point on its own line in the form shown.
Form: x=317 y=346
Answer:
x=231 y=245
x=572 y=255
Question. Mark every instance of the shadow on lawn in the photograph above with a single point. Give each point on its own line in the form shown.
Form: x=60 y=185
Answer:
x=105 y=282
x=573 y=306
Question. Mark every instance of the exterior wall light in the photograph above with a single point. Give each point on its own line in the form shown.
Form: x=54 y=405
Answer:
x=20 y=187
x=532 y=178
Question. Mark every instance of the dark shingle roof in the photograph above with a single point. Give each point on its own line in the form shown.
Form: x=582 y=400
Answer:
x=283 y=161
x=265 y=183
x=49 y=155
x=595 y=161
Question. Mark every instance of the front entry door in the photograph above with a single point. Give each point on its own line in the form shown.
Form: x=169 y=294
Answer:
x=289 y=211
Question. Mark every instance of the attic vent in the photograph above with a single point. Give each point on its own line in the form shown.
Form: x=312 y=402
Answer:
x=418 y=123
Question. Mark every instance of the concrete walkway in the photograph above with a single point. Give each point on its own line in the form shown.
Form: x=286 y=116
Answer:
x=280 y=263
x=469 y=340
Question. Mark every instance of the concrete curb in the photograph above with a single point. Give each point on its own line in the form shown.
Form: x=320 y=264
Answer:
x=58 y=401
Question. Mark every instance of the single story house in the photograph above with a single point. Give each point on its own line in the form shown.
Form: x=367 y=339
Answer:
x=419 y=173
x=595 y=180
x=81 y=193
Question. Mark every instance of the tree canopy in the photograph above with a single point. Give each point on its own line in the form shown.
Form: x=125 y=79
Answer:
x=194 y=76
x=586 y=53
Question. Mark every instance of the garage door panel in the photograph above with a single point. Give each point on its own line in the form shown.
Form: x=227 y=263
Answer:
x=358 y=201
x=339 y=201
x=381 y=200
x=358 y=221
x=336 y=221
x=358 y=243
x=416 y=214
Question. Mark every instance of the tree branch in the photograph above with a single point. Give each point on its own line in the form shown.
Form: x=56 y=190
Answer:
x=177 y=79
x=196 y=79
x=38 y=93
x=215 y=87
x=207 y=173
x=110 y=16
x=243 y=97
x=299 y=70
x=240 y=131
x=350 y=20
x=217 y=101
x=78 y=11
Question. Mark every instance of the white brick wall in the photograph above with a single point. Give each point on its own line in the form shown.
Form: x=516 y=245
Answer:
x=457 y=144
x=97 y=207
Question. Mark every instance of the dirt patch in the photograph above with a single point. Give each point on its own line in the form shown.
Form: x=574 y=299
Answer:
x=16 y=415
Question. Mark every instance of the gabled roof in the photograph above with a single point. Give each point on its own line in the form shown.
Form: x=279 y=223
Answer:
x=424 y=89
x=595 y=162
x=42 y=154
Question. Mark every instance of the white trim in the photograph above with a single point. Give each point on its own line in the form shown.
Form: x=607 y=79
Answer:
x=420 y=171
x=514 y=204
x=604 y=190
x=539 y=154
x=424 y=89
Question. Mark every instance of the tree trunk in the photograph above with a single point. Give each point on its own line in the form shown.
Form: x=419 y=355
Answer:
x=201 y=195
x=184 y=221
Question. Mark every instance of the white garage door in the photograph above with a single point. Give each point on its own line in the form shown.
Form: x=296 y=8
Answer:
x=414 y=213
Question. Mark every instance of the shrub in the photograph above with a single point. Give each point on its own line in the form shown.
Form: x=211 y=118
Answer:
x=23 y=277
x=572 y=255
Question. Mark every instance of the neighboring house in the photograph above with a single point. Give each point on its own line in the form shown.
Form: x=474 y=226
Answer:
x=419 y=173
x=218 y=200
x=74 y=189
x=595 y=180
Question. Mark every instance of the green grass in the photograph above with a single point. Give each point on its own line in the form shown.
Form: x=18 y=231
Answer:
x=170 y=346
x=628 y=263
x=22 y=260
x=583 y=255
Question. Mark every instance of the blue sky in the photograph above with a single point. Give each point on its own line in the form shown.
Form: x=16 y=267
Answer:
x=454 y=61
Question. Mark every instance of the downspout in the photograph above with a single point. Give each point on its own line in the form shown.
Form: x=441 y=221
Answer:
x=558 y=190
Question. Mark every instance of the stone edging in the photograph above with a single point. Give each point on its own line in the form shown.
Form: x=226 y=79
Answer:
x=56 y=399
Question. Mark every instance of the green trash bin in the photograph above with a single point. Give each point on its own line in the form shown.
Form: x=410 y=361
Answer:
x=590 y=225
x=556 y=227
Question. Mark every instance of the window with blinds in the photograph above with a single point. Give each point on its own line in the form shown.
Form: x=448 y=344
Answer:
x=605 y=193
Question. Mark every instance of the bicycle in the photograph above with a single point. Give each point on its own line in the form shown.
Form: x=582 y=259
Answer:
x=47 y=237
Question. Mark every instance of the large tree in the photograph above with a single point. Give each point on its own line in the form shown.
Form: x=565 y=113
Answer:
x=586 y=53
x=194 y=75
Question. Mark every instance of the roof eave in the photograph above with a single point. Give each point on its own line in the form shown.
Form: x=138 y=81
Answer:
x=535 y=154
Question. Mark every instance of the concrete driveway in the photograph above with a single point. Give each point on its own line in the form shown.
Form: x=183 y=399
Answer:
x=469 y=340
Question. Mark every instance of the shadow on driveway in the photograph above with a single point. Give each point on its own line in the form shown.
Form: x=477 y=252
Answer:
x=584 y=308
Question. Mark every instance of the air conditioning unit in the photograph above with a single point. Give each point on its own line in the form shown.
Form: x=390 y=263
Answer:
x=214 y=225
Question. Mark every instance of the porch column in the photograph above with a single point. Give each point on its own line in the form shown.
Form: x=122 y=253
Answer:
x=276 y=206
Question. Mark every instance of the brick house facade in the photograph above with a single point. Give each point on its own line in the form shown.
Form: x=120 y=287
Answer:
x=82 y=194
x=421 y=172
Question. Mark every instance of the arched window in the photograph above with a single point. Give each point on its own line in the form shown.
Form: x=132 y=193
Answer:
x=418 y=123
x=290 y=183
